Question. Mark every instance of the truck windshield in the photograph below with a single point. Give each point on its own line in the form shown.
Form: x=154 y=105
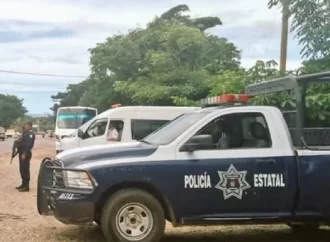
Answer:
x=173 y=129
x=73 y=118
x=86 y=125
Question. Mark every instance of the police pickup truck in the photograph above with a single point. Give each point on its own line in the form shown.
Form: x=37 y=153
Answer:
x=228 y=164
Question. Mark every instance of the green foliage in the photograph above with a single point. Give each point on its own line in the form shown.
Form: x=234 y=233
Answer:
x=318 y=99
x=45 y=123
x=175 y=62
x=311 y=24
x=171 y=62
x=176 y=16
x=314 y=66
x=11 y=108
x=69 y=98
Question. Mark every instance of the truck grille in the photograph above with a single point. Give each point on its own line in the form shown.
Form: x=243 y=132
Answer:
x=58 y=178
x=58 y=163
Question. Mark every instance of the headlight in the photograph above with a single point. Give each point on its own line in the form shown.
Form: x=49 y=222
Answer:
x=79 y=180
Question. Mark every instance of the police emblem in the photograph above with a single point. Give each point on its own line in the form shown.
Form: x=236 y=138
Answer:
x=232 y=183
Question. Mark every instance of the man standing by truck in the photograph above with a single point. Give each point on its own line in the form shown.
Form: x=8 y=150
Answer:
x=25 y=154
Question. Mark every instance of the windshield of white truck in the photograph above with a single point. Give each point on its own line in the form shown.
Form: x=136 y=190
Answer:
x=74 y=118
x=86 y=125
x=173 y=129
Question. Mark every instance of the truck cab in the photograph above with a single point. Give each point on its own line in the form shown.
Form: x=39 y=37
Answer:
x=228 y=163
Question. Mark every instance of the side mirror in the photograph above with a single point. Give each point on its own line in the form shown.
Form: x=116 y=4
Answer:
x=80 y=133
x=198 y=142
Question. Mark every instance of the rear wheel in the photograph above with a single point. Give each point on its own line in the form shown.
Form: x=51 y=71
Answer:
x=133 y=215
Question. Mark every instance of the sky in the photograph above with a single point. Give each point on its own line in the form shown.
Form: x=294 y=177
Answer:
x=53 y=37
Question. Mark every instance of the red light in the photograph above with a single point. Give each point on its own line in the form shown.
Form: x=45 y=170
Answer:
x=228 y=98
x=225 y=98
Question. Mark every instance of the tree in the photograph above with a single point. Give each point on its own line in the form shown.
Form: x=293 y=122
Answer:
x=314 y=66
x=101 y=94
x=311 y=24
x=45 y=123
x=11 y=108
x=236 y=81
x=69 y=98
x=175 y=15
x=172 y=60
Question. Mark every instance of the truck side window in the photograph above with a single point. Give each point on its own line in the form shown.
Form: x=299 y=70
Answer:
x=142 y=127
x=97 y=128
x=238 y=131
x=118 y=125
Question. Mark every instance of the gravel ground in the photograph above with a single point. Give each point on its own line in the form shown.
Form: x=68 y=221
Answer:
x=20 y=221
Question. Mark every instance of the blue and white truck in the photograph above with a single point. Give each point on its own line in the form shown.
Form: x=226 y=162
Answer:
x=232 y=163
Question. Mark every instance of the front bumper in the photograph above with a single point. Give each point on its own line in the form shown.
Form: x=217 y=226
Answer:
x=74 y=212
x=69 y=206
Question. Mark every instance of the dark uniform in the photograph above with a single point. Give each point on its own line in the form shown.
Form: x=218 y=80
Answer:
x=25 y=147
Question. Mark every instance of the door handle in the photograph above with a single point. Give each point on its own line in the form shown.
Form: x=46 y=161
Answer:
x=265 y=160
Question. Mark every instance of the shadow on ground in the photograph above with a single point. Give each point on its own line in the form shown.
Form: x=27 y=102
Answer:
x=93 y=234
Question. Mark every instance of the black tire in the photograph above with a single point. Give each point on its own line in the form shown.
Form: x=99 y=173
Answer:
x=132 y=198
x=43 y=177
x=303 y=228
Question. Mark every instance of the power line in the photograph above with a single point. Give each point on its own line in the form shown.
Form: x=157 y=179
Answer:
x=39 y=74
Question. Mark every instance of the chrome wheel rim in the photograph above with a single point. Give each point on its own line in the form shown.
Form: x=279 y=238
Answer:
x=134 y=221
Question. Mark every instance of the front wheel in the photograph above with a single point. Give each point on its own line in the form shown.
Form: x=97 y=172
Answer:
x=133 y=215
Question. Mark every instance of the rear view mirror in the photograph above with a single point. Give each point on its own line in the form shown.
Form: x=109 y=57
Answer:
x=80 y=133
x=198 y=142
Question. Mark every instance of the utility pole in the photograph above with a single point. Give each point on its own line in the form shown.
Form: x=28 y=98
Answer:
x=284 y=35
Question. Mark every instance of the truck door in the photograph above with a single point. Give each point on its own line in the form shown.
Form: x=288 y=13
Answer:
x=246 y=174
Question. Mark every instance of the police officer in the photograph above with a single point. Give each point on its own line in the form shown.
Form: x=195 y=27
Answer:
x=25 y=154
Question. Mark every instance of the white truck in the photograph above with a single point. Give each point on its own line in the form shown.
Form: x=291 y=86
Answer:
x=131 y=122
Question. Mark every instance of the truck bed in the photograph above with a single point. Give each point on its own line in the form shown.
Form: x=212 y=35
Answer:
x=314 y=137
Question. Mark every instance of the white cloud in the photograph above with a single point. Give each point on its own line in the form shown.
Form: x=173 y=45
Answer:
x=35 y=10
x=249 y=24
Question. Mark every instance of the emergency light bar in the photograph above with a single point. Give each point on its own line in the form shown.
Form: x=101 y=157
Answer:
x=225 y=99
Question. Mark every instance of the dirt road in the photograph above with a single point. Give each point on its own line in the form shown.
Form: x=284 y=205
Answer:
x=20 y=221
